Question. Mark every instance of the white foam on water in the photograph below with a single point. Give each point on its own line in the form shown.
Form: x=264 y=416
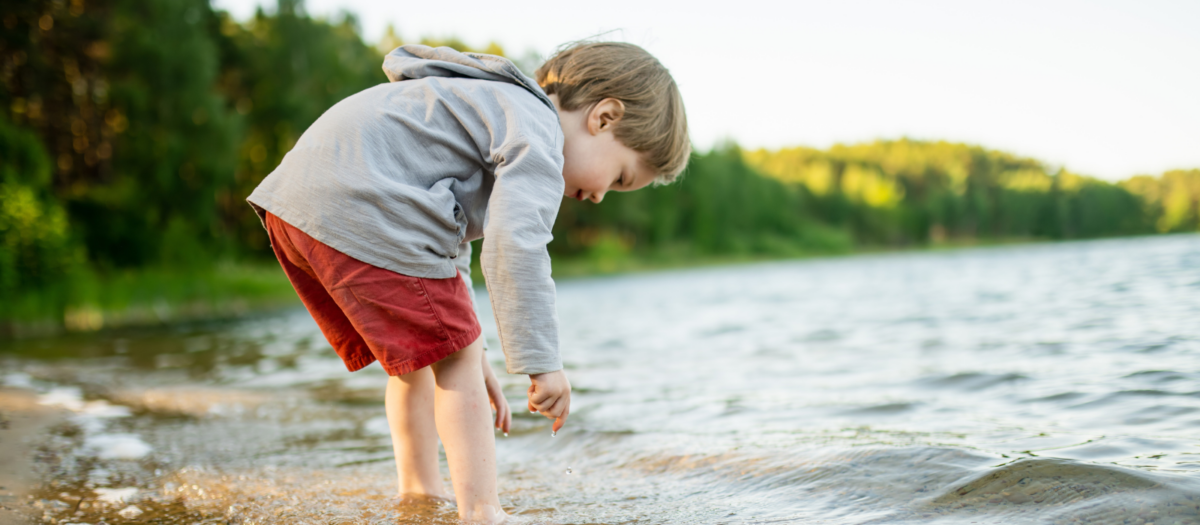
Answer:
x=130 y=512
x=103 y=409
x=377 y=426
x=18 y=379
x=117 y=446
x=115 y=496
x=69 y=397
x=89 y=425
x=226 y=410
x=91 y=417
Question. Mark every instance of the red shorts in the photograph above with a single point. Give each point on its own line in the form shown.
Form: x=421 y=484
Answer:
x=368 y=313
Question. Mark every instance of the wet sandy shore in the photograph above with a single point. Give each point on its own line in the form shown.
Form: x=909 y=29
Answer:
x=23 y=421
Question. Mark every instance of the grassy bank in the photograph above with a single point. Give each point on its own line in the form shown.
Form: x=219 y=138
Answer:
x=150 y=296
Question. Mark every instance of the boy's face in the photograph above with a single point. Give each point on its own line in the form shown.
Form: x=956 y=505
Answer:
x=594 y=161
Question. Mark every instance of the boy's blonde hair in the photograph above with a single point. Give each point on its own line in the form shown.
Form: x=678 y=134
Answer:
x=654 y=123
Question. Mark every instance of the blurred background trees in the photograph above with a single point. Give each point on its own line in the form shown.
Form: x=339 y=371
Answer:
x=132 y=130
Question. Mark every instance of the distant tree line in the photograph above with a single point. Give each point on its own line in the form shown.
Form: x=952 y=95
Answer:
x=132 y=130
x=883 y=193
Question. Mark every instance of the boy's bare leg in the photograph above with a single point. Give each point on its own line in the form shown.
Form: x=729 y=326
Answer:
x=409 y=401
x=464 y=421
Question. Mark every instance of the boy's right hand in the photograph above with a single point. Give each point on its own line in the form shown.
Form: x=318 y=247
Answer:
x=550 y=395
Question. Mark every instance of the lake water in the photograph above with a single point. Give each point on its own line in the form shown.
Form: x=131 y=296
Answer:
x=1055 y=383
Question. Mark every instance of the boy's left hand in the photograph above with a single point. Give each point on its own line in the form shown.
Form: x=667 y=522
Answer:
x=550 y=396
x=496 y=396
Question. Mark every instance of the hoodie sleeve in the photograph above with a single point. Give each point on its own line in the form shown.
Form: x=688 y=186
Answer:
x=521 y=211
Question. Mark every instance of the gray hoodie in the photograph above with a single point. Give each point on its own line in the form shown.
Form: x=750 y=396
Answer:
x=403 y=175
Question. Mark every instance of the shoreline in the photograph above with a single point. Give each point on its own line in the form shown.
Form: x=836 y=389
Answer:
x=163 y=313
x=635 y=265
x=22 y=422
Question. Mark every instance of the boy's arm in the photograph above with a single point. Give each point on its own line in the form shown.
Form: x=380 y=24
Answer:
x=503 y=419
x=525 y=198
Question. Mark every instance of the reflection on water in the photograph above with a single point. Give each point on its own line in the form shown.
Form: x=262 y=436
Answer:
x=1038 y=384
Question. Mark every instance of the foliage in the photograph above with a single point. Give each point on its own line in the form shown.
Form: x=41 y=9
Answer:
x=280 y=72
x=121 y=92
x=911 y=192
x=36 y=248
x=1172 y=200
x=720 y=207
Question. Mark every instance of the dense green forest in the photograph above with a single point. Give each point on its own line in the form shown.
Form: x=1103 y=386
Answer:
x=132 y=130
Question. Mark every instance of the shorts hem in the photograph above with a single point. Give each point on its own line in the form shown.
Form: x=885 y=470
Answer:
x=433 y=355
x=358 y=362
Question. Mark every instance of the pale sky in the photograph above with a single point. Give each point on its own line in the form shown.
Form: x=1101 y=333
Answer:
x=1104 y=88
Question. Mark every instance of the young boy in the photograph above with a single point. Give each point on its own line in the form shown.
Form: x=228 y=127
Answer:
x=372 y=212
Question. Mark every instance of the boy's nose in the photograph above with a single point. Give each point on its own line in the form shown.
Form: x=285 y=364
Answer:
x=598 y=196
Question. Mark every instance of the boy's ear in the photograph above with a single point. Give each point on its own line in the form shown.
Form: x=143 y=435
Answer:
x=604 y=115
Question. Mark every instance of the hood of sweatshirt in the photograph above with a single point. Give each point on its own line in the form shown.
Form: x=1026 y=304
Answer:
x=412 y=61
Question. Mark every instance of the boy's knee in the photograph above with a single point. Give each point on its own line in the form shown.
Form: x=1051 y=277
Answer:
x=468 y=354
x=412 y=379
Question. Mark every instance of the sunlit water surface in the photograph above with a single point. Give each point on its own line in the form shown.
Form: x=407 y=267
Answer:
x=1054 y=383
